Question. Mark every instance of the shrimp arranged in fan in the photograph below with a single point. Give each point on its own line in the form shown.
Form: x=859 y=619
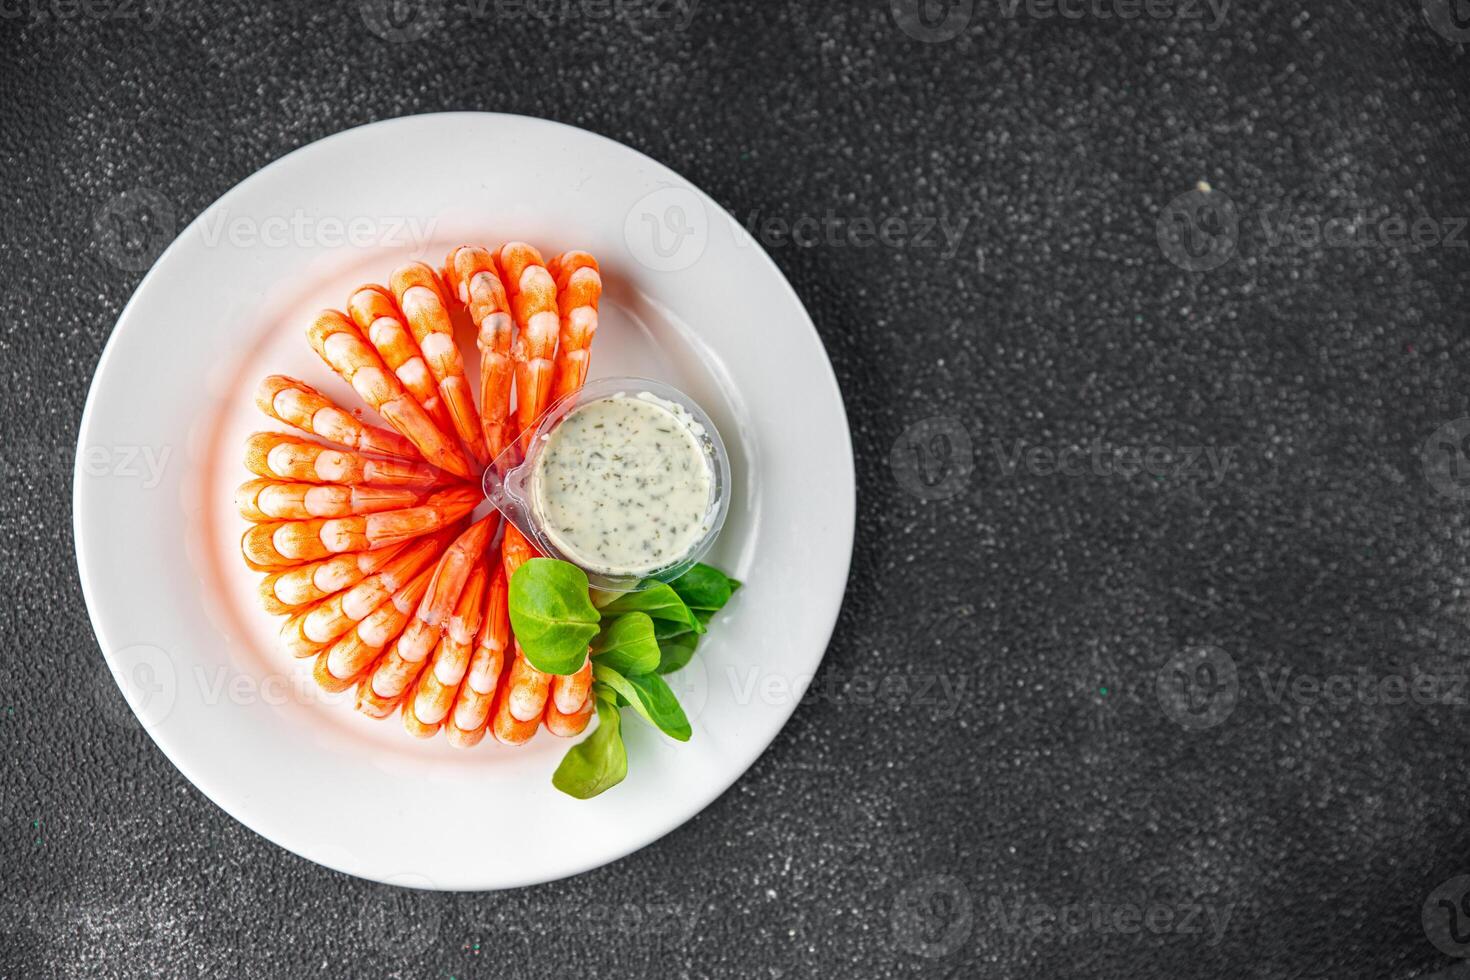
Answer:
x=421 y=298
x=365 y=536
x=532 y=294
x=472 y=276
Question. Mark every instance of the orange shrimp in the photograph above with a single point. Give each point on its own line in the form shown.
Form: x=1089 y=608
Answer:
x=270 y=500
x=471 y=274
x=421 y=297
x=526 y=687
x=285 y=592
x=376 y=314
x=579 y=289
x=277 y=456
x=298 y=404
x=465 y=725
x=402 y=663
x=424 y=712
x=340 y=665
x=337 y=341
x=532 y=294
x=277 y=544
x=571 y=723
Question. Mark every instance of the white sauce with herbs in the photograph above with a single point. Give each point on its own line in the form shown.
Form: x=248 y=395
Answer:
x=622 y=484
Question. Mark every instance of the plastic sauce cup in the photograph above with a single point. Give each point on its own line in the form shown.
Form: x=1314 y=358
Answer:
x=520 y=487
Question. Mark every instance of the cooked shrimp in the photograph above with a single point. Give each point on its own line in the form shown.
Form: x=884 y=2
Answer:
x=433 y=696
x=337 y=614
x=338 y=342
x=526 y=687
x=286 y=592
x=400 y=666
x=298 y=404
x=579 y=289
x=570 y=691
x=421 y=297
x=506 y=727
x=466 y=724
x=338 y=666
x=471 y=274
x=269 y=500
x=277 y=456
x=532 y=294
x=571 y=723
x=376 y=314
x=281 y=543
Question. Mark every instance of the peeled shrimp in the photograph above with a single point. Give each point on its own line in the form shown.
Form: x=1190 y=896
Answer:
x=376 y=314
x=421 y=297
x=579 y=289
x=471 y=274
x=270 y=500
x=532 y=294
x=280 y=543
x=401 y=664
x=337 y=614
x=277 y=456
x=338 y=342
x=338 y=666
x=285 y=592
x=526 y=688
x=570 y=724
x=433 y=696
x=465 y=725
x=298 y=404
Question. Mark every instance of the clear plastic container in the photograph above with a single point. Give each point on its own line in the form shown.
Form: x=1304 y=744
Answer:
x=526 y=490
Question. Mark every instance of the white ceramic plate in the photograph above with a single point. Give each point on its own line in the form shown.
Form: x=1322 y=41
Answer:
x=691 y=299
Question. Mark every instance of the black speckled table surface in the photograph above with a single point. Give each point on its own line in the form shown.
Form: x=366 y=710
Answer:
x=1151 y=321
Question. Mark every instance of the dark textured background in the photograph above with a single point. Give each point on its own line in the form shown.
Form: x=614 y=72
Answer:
x=925 y=829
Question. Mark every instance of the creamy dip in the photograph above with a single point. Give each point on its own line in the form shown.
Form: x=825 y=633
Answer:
x=622 y=484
